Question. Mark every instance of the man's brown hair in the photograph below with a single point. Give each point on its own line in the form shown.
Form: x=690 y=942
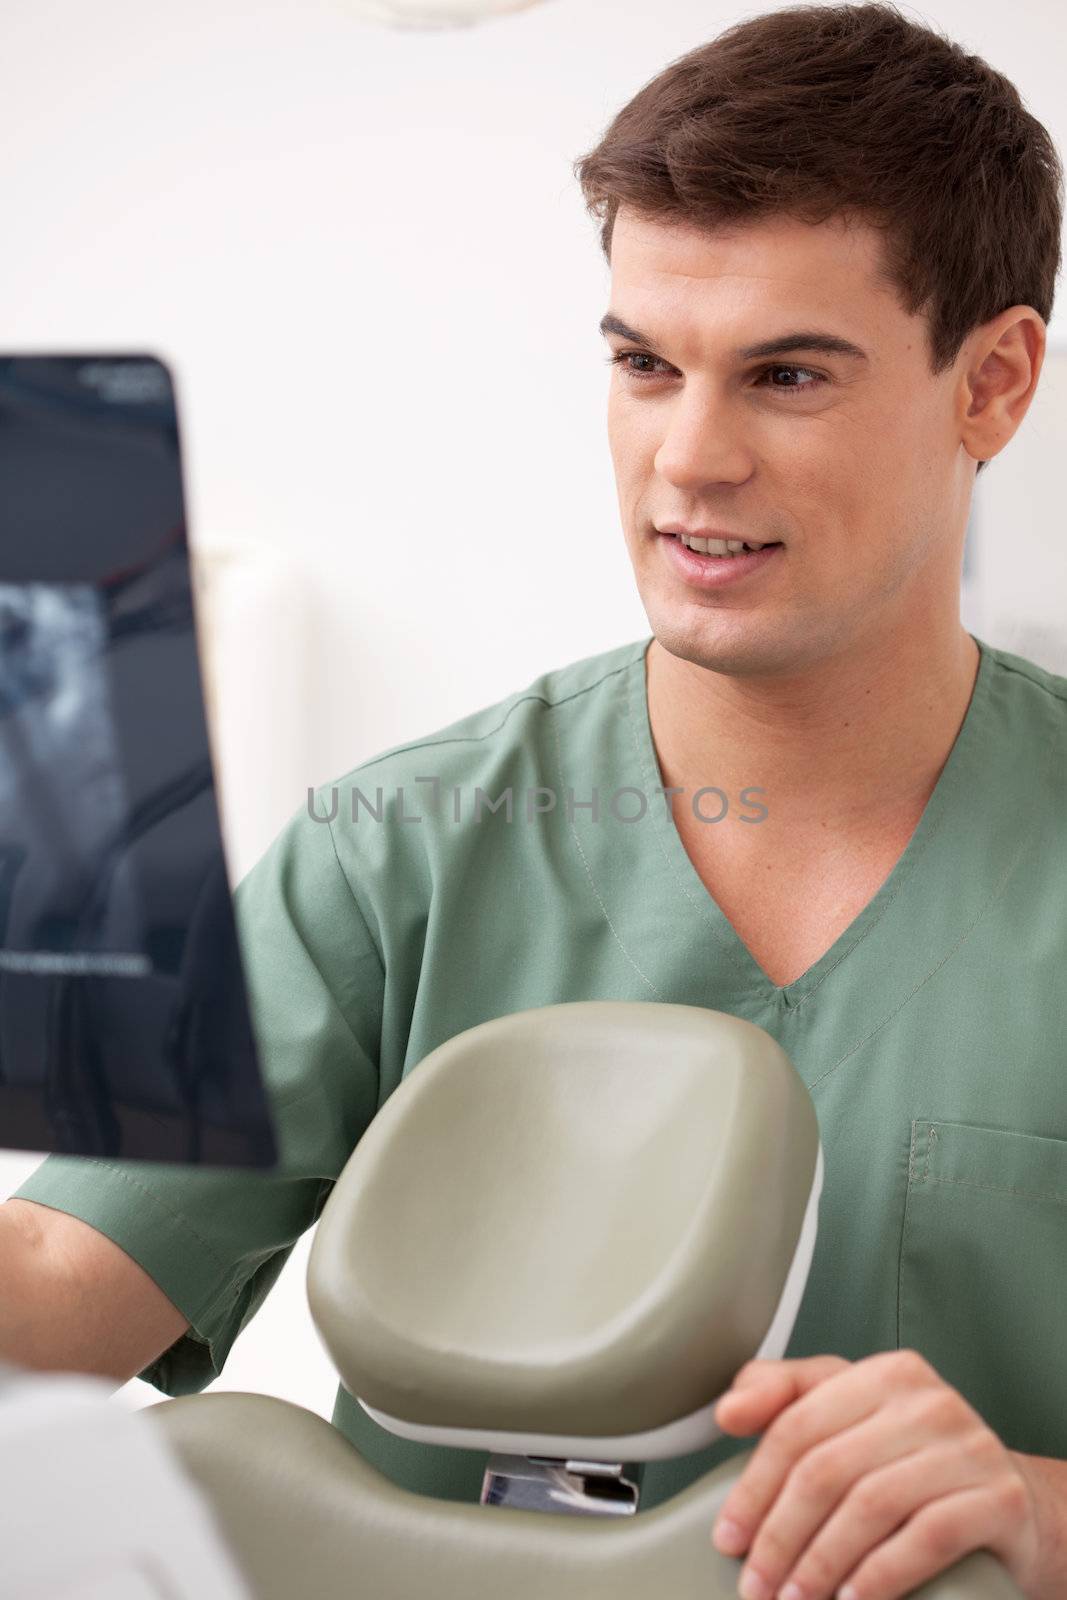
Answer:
x=852 y=111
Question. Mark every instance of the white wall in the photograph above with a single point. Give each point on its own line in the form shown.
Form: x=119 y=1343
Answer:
x=366 y=257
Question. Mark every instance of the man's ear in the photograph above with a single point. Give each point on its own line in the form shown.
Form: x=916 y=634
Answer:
x=1001 y=369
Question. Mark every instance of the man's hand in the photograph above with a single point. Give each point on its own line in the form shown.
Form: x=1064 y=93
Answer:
x=872 y=1477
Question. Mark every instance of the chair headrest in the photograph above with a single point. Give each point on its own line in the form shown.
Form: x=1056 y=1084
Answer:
x=572 y=1223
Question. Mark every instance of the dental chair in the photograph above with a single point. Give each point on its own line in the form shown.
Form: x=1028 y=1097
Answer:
x=557 y=1241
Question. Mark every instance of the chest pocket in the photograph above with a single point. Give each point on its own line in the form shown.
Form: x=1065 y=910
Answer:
x=982 y=1291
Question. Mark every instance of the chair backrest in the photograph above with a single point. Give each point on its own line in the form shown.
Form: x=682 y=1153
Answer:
x=568 y=1228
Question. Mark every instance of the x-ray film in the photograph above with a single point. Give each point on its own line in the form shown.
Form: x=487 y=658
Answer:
x=124 y=1023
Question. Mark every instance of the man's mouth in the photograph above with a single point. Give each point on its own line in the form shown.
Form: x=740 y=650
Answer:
x=726 y=548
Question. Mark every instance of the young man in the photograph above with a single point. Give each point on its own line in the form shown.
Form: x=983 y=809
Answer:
x=811 y=799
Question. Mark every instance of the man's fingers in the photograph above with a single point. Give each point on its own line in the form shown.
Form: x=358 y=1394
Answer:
x=764 y=1387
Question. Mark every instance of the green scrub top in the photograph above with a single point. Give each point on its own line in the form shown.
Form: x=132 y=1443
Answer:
x=932 y=1035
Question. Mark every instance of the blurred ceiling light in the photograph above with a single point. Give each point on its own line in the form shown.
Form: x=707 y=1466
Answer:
x=435 y=13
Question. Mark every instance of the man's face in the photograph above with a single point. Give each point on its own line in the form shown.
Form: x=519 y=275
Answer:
x=852 y=462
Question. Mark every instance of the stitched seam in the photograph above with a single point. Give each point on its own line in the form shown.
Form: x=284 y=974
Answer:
x=782 y=992
x=632 y=725
x=279 y=1102
x=592 y=882
x=931 y=1140
x=359 y=909
x=909 y=872
x=904 y=1225
x=286 y=1103
x=735 y=954
x=176 y=1216
x=1006 y=666
x=994 y=1188
x=933 y=834
x=964 y=936
x=912 y=1178
x=703 y=907
x=477 y=738
x=904 y=879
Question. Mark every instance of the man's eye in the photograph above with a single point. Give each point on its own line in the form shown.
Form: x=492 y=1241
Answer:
x=632 y=355
x=815 y=379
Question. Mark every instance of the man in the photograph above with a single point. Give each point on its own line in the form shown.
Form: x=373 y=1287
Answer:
x=810 y=799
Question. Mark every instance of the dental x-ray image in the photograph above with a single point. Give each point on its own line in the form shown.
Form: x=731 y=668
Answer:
x=124 y=1022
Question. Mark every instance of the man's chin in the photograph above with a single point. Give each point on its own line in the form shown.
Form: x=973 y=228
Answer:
x=733 y=645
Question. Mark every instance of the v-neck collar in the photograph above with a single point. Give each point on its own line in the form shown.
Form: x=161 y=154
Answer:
x=962 y=765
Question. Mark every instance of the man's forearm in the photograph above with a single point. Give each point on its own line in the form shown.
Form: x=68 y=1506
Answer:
x=72 y=1300
x=1048 y=1479
x=37 y=1325
x=15 y=1276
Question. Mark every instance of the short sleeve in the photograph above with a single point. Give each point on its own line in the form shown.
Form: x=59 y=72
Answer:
x=215 y=1239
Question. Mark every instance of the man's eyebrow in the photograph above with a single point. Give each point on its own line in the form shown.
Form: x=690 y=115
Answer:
x=830 y=344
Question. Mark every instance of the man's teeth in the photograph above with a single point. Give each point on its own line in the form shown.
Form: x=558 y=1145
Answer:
x=719 y=547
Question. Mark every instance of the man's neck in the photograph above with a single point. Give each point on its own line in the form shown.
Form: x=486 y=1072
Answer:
x=847 y=746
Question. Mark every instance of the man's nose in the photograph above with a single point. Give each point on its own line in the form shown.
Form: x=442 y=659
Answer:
x=707 y=440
